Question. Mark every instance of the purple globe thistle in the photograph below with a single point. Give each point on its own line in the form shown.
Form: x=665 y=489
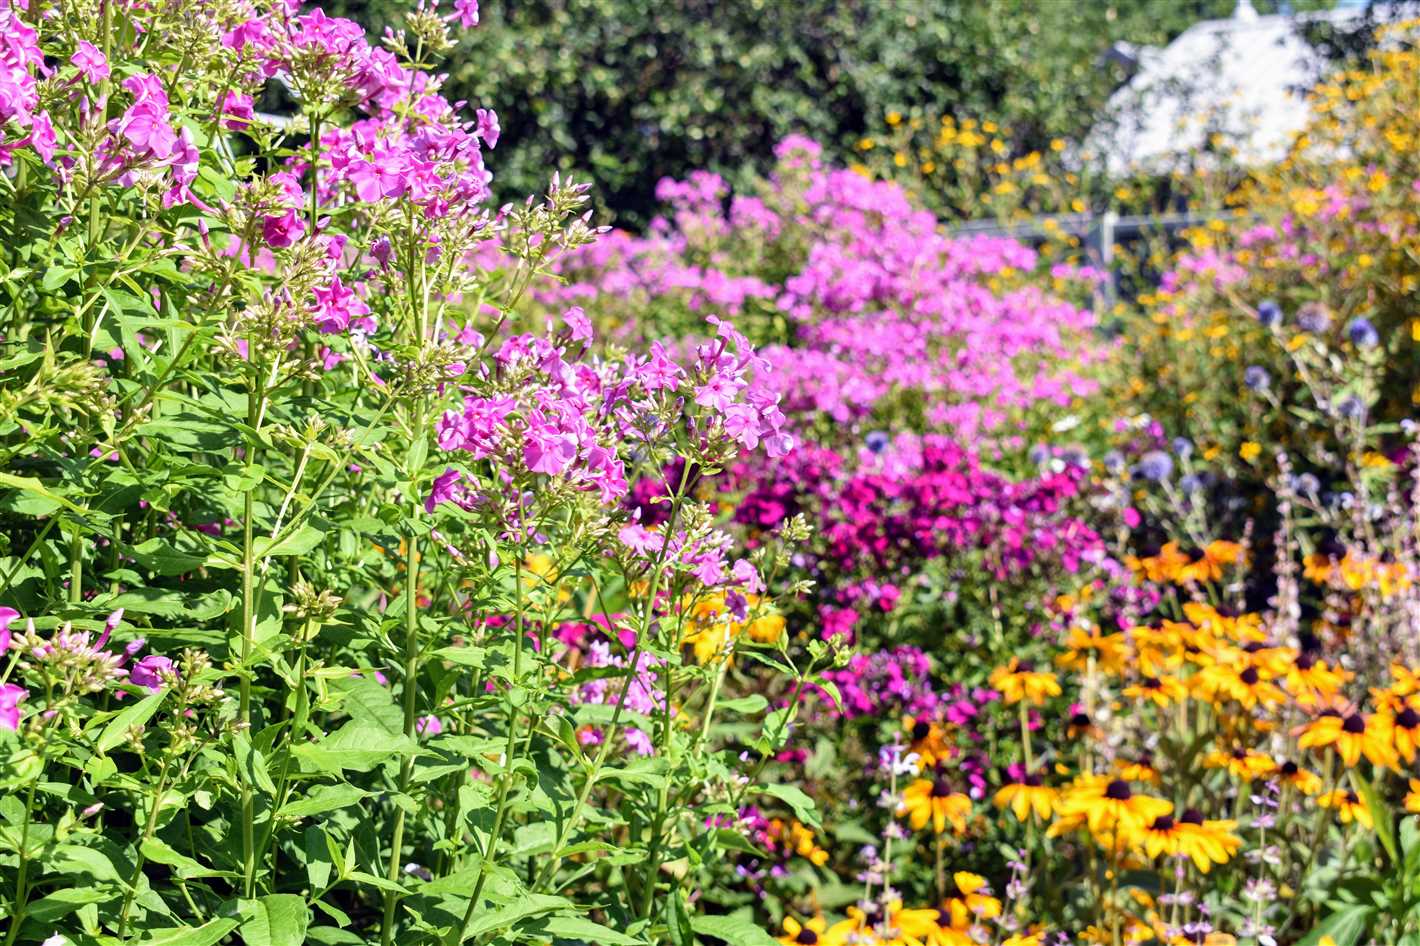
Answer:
x=1269 y=313
x=1314 y=317
x=1351 y=407
x=1256 y=378
x=877 y=441
x=1154 y=465
x=1183 y=447
x=1362 y=333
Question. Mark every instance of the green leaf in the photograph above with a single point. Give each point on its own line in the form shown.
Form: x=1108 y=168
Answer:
x=1346 y=926
x=279 y=919
x=356 y=746
x=159 y=851
x=59 y=903
x=564 y=926
x=1380 y=815
x=521 y=908
x=252 y=764
x=321 y=799
x=802 y=805
x=135 y=714
x=299 y=542
x=737 y=930
x=28 y=484
x=747 y=705
x=160 y=557
x=205 y=935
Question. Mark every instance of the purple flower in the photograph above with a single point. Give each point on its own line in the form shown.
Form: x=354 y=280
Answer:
x=1269 y=313
x=149 y=672
x=7 y=617
x=1155 y=465
x=283 y=230
x=10 y=698
x=1256 y=378
x=91 y=62
x=445 y=489
x=467 y=13
x=487 y=119
x=1362 y=333
x=1314 y=317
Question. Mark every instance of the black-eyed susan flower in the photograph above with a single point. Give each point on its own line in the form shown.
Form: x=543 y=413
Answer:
x=1206 y=841
x=1311 y=680
x=927 y=740
x=1404 y=680
x=1405 y=730
x=1082 y=644
x=1289 y=773
x=1353 y=735
x=1412 y=797
x=1207 y=563
x=1348 y=807
x=1161 y=690
x=1243 y=764
x=1162 y=836
x=1137 y=769
x=812 y=932
x=1110 y=804
x=1026 y=793
x=972 y=902
x=933 y=800
x=1019 y=680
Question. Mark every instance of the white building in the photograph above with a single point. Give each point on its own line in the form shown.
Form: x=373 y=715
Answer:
x=1246 y=77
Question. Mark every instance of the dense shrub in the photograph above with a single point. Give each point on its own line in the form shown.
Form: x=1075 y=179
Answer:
x=628 y=91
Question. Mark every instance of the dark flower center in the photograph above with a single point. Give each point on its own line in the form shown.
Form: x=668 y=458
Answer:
x=1249 y=676
x=941 y=788
x=1025 y=666
x=1354 y=724
x=1191 y=816
x=1163 y=823
x=1118 y=790
x=921 y=730
x=1352 y=798
x=806 y=936
x=1239 y=753
x=1407 y=718
x=1306 y=660
x=1033 y=781
x=1289 y=769
x=1152 y=683
x=1079 y=719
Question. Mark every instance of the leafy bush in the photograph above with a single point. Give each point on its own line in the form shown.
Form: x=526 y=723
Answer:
x=628 y=91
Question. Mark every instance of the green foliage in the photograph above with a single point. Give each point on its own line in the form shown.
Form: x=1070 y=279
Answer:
x=629 y=91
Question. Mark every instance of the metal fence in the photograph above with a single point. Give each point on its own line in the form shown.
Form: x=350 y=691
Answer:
x=1101 y=233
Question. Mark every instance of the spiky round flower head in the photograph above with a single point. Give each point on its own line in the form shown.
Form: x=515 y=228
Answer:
x=1314 y=317
x=1362 y=333
x=1256 y=378
x=1269 y=313
x=1351 y=407
x=1154 y=465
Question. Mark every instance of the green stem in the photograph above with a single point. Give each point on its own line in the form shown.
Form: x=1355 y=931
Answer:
x=148 y=830
x=248 y=636
x=411 y=720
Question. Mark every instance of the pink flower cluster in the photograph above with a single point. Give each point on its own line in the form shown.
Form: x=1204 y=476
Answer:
x=881 y=302
x=543 y=407
x=886 y=683
x=921 y=498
